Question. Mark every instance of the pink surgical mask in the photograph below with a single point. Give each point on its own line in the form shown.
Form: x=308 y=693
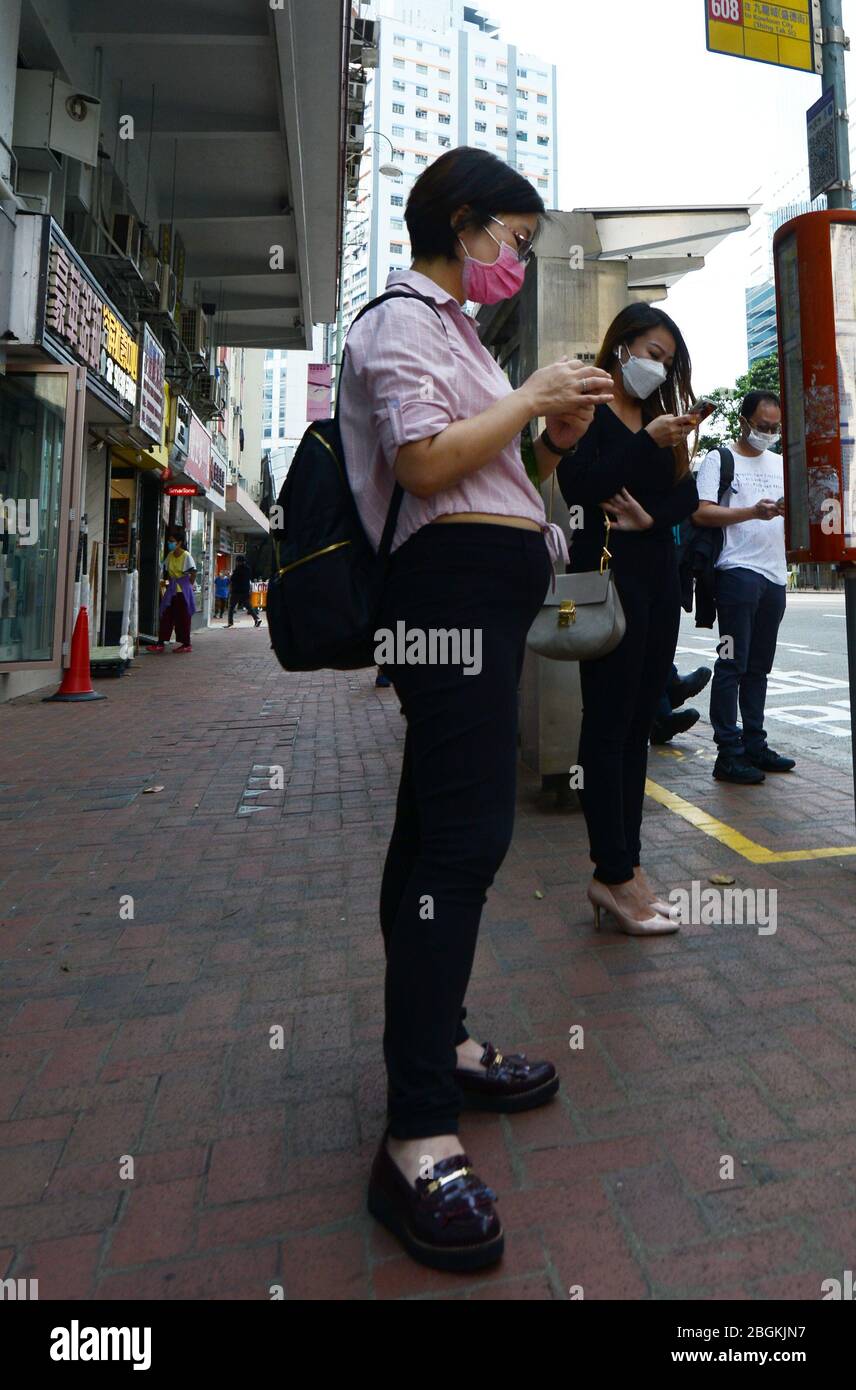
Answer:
x=487 y=282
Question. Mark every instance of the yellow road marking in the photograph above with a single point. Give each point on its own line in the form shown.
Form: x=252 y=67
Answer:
x=727 y=835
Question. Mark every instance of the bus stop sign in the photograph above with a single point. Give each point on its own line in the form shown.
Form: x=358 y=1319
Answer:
x=765 y=33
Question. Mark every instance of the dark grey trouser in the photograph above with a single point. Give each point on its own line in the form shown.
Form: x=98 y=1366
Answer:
x=750 y=608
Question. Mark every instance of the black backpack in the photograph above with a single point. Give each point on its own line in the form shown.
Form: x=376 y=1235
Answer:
x=324 y=594
x=699 y=549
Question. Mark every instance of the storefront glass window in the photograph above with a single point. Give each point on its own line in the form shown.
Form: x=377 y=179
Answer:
x=32 y=430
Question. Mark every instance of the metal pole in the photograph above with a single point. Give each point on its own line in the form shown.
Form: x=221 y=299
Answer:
x=835 y=42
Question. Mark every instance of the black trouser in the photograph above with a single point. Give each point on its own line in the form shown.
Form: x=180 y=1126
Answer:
x=241 y=601
x=455 y=810
x=750 y=608
x=620 y=695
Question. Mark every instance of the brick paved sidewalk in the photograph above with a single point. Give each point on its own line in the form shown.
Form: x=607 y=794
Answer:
x=256 y=909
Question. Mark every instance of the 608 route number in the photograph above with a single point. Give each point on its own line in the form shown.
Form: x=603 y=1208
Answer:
x=731 y=11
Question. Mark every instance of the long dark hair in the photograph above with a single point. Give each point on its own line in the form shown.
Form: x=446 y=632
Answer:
x=676 y=394
x=463 y=178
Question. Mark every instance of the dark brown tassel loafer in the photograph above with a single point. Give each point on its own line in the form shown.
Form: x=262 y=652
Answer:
x=508 y=1082
x=446 y=1221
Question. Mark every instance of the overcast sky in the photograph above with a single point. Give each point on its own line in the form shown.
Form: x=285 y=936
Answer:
x=648 y=116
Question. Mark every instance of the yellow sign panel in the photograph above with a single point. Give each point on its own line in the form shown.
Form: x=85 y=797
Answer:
x=764 y=32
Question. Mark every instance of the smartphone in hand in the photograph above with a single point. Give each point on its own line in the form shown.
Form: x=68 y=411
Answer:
x=701 y=408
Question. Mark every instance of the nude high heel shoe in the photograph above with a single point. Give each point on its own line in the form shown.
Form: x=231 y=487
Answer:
x=663 y=908
x=601 y=898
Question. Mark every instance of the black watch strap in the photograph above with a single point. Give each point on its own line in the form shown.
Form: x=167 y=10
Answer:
x=549 y=444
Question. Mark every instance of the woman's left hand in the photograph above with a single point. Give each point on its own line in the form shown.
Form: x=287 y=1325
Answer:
x=626 y=514
x=567 y=430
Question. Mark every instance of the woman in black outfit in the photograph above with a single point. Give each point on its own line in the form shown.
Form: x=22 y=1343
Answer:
x=632 y=467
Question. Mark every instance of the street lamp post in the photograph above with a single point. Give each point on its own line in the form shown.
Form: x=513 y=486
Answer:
x=389 y=170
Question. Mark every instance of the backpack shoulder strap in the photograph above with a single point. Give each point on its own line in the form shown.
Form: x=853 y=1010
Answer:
x=388 y=294
x=726 y=473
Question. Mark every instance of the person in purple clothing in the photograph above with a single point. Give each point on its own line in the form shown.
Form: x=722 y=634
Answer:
x=177 y=605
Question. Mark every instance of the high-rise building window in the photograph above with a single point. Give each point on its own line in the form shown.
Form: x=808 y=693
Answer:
x=398 y=40
x=396 y=248
x=421 y=113
x=543 y=139
x=501 y=89
x=502 y=131
x=522 y=72
x=396 y=200
x=444 y=141
x=542 y=183
x=398 y=62
x=443 y=72
x=542 y=120
x=422 y=159
x=445 y=52
x=480 y=126
x=398 y=130
x=481 y=84
x=523 y=115
x=397 y=154
x=396 y=224
x=422 y=91
x=444 y=119
x=521 y=135
x=398 y=85
x=480 y=61
x=398 y=108
x=542 y=97
x=501 y=65
x=521 y=95
x=481 y=106
x=419 y=45
x=421 y=67
x=443 y=96
x=422 y=135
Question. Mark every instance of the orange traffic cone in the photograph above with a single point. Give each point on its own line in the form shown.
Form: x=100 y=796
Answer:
x=77 y=681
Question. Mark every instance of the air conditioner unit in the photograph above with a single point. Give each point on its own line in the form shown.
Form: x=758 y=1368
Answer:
x=126 y=234
x=356 y=93
x=51 y=115
x=34 y=202
x=366 y=30
x=151 y=270
x=194 y=332
x=78 y=186
x=168 y=293
x=356 y=135
x=205 y=390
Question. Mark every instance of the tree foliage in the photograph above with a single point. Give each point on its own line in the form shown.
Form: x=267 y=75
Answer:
x=724 y=423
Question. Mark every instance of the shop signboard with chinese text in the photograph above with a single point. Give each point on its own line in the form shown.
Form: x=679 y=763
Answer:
x=77 y=322
x=318 y=390
x=197 y=465
x=150 y=404
x=781 y=34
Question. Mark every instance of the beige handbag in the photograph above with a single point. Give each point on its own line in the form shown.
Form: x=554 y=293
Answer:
x=581 y=618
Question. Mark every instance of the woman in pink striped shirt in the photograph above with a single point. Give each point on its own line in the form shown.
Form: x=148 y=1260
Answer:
x=423 y=403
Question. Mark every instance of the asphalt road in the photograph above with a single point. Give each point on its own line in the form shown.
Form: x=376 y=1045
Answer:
x=808 y=698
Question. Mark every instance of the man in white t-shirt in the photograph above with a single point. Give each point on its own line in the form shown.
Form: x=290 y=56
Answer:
x=750 y=583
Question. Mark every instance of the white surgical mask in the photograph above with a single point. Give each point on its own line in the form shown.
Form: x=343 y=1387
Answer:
x=761 y=441
x=642 y=375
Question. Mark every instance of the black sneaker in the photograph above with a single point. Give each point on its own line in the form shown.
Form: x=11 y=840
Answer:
x=685 y=687
x=663 y=730
x=771 y=761
x=729 y=768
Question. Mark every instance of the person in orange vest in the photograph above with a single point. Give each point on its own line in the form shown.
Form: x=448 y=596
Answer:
x=177 y=604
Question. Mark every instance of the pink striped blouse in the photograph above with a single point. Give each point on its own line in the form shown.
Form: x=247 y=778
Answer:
x=407 y=376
